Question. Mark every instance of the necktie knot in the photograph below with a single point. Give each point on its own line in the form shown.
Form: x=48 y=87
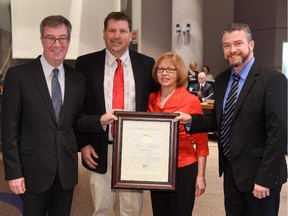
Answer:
x=55 y=72
x=118 y=62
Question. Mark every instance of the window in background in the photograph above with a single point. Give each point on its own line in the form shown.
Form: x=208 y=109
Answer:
x=285 y=59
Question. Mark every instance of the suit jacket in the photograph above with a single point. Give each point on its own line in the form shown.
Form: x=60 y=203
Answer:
x=207 y=89
x=258 y=136
x=92 y=66
x=35 y=146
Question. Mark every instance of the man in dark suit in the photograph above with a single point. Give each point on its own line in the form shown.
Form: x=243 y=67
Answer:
x=39 y=145
x=204 y=88
x=253 y=158
x=96 y=148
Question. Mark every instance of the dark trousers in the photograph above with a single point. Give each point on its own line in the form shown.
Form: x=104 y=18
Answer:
x=180 y=202
x=54 y=202
x=245 y=204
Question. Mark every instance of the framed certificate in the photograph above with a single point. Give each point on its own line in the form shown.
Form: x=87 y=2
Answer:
x=145 y=151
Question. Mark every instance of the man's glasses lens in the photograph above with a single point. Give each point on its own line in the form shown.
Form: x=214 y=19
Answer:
x=62 y=40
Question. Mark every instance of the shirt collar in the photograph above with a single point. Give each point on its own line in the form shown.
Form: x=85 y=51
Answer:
x=47 y=68
x=111 y=59
x=243 y=73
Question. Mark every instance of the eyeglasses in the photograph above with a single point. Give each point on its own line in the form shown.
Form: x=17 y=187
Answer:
x=62 y=40
x=168 y=70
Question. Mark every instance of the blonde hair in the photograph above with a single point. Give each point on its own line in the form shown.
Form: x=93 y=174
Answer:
x=178 y=63
x=193 y=64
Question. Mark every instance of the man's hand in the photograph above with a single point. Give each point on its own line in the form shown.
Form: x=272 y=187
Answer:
x=17 y=185
x=87 y=152
x=183 y=118
x=108 y=118
x=260 y=192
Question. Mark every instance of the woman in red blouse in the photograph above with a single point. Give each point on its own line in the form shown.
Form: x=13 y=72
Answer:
x=169 y=71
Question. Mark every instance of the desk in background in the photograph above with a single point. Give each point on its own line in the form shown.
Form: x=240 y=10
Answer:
x=207 y=106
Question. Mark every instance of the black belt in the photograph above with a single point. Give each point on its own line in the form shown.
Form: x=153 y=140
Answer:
x=110 y=142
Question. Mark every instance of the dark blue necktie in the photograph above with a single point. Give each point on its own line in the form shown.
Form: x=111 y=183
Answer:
x=227 y=116
x=56 y=94
x=201 y=88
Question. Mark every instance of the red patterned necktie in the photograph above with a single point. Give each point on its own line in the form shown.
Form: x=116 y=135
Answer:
x=118 y=89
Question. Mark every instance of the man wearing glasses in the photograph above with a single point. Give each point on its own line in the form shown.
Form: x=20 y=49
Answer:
x=40 y=102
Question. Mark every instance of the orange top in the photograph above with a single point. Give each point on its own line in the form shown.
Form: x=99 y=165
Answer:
x=183 y=101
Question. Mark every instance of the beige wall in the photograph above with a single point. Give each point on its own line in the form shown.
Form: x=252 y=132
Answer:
x=156 y=27
x=158 y=30
x=269 y=26
x=216 y=15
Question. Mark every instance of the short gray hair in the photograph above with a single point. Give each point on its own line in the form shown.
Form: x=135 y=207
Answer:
x=238 y=27
x=54 y=21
